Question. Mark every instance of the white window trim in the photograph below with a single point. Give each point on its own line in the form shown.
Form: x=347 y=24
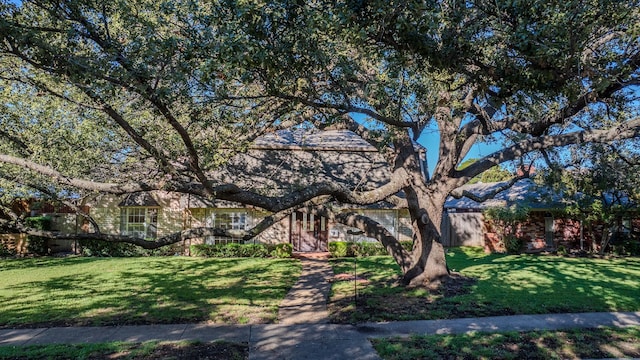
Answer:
x=237 y=215
x=148 y=226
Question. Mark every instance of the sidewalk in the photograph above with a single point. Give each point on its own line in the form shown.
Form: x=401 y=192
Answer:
x=312 y=341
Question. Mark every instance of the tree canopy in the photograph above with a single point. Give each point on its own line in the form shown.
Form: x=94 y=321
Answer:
x=130 y=96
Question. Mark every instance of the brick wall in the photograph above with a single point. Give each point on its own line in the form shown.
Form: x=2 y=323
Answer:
x=566 y=232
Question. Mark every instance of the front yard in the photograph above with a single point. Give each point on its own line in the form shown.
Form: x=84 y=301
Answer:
x=148 y=290
x=505 y=285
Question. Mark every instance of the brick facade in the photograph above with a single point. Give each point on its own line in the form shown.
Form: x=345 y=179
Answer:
x=566 y=232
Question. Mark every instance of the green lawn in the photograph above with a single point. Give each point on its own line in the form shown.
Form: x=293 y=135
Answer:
x=108 y=291
x=218 y=350
x=572 y=344
x=506 y=284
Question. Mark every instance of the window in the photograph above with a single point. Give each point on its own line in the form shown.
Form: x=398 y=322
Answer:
x=227 y=219
x=140 y=222
x=626 y=226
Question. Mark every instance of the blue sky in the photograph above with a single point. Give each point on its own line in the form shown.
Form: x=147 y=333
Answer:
x=430 y=139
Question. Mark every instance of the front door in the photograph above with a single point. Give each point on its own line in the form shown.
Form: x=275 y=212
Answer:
x=548 y=232
x=308 y=232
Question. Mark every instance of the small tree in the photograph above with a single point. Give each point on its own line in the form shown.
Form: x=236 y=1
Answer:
x=601 y=186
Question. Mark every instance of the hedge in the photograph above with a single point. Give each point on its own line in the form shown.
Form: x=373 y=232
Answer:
x=101 y=248
x=242 y=250
x=360 y=249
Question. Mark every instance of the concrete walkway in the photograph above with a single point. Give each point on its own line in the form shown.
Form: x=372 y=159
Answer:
x=312 y=341
x=303 y=331
x=306 y=302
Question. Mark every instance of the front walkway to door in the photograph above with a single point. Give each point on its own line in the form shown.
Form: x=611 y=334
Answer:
x=306 y=302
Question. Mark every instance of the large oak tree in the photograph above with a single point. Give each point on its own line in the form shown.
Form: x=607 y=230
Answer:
x=131 y=96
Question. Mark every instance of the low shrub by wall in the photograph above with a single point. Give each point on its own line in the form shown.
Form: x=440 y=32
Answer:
x=111 y=249
x=242 y=250
x=359 y=249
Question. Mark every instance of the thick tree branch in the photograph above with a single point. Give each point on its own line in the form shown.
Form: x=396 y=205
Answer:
x=146 y=244
x=77 y=183
x=627 y=130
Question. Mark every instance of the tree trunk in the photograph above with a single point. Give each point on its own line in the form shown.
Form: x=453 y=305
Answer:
x=428 y=262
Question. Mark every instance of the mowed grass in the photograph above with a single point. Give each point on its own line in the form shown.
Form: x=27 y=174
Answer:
x=218 y=350
x=505 y=285
x=149 y=290
x=571 y=344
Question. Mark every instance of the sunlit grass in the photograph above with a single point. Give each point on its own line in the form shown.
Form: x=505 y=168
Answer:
x=571 y=344
x=100 y=291
x=506 y=284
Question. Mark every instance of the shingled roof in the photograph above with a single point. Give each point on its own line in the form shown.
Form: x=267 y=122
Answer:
x=288 y=160
x=525 y=192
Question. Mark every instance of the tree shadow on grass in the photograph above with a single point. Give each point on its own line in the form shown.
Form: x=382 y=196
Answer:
x=506 y=285
x=570 y=344
x=26 y=263
x=160 y=290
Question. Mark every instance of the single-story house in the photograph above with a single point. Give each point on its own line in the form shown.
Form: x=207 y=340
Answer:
x=546 y=227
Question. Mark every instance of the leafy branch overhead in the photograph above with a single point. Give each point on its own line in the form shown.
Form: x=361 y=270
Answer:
x=131 y=96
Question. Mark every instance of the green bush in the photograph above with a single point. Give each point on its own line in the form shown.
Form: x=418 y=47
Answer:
x=512 y=244
x=283 y=251
x=369 y=249
x=351 y=249
x=338 y=248
x=39 y=222
x=37 y=245
x=562 y=250
x=234 y=250
x=110 y=249
x=628 y=247
x=255 y=251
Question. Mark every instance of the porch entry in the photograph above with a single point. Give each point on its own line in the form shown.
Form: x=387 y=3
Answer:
x=308 y=232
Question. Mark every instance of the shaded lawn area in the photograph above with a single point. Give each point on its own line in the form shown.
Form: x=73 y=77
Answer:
x=147 y=290
x=118 y=350
x=504 y=285
x=572 y=344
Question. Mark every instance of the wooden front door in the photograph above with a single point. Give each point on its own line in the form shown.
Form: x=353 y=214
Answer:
x=308 y=232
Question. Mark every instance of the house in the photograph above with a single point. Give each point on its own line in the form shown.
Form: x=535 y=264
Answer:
x=274 y=164
x=60 y=218
x=547 y=225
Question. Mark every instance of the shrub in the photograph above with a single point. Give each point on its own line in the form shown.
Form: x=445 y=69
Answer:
x=350 y=249
x=255 y=251
x=37 y=245
x=39 y=222
x=283 y=251
x=338 y=248
x=235 y=250
x=562 y=250
x=110 y=249
x=369 y=249
x=512 y=244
